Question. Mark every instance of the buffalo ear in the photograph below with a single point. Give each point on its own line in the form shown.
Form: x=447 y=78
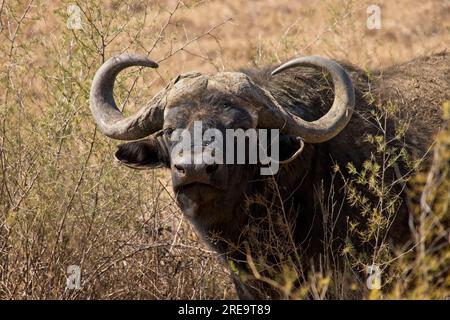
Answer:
x=289 y=145
x=143 y=154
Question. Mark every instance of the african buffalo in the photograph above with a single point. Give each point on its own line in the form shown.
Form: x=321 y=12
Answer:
x=321 y=107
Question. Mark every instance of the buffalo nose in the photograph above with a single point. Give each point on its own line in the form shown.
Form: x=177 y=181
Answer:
x=186 y=170
x=196 y=170
x=207 y=174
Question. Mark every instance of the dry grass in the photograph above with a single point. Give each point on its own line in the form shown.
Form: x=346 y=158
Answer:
x=63 y=199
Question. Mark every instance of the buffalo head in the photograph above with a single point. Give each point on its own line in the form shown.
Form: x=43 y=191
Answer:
x=226 y=100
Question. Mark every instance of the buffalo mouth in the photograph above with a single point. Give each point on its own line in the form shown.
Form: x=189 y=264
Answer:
x=200 y=186
x=197 y=198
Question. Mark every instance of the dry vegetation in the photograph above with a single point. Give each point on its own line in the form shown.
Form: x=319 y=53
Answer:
x=64 y=201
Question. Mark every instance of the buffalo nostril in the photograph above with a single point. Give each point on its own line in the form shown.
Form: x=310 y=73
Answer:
x=212 y=168
x=180 y=169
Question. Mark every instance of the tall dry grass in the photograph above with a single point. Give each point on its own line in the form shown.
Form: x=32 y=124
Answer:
x=381 y=269
x=64 y=201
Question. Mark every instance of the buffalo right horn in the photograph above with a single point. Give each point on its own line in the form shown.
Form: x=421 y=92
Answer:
x=340 y=112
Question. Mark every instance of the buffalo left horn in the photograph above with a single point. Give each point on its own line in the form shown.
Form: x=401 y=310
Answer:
x=108 y=117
